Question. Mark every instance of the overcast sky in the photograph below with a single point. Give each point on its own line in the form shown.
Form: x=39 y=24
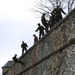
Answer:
x=17 y=24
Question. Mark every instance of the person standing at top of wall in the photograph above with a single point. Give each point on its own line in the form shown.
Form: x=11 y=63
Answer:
x=57 y=11
x=24 y=47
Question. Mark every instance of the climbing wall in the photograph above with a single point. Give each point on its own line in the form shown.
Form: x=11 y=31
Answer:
x=53 y=54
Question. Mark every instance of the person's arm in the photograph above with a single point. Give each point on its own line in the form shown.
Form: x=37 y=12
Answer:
x=27 y=45
x=36 y=29
x=63 y=12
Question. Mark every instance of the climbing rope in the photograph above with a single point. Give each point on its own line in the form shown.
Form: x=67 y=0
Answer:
x=35 y=56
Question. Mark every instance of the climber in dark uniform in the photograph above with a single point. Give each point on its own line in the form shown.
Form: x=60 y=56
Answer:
x=52 y=20
x=17 y=60
x=41 y=30
x=24 y=47
x=44 y=21
x=58 y=12
x=35 y=38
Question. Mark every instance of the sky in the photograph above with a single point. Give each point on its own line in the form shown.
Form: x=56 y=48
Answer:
x=17 y=24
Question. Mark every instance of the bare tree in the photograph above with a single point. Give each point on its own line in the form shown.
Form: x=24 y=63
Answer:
x=46 y=6
x=70 y=5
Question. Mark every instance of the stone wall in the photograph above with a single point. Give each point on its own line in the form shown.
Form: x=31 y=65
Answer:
x=45 y=58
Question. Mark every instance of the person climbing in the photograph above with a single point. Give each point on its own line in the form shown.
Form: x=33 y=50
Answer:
x=44 y=22
x=35 y=38
x=41 y=30
x=17 y=60
x=58 y=12
x=24 y=47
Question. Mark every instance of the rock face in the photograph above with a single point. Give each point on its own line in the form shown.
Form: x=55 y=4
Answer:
x=54 y=54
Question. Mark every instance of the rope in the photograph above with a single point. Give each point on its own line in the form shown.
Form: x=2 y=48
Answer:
x=34 y=60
